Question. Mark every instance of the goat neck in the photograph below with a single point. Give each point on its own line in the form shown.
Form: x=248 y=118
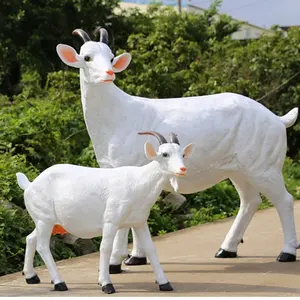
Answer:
x=152 y=176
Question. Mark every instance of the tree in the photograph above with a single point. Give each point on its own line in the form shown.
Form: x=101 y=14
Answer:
x=31 y=29
x=166 y=45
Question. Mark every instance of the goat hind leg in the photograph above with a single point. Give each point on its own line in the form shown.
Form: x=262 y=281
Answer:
x=138 y=255
x=274 y=189
x=30 y=275
x=250 y=200
x=44 y=231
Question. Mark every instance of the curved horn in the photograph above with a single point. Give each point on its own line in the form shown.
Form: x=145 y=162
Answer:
x=82 y=34
x=160 y=137
x=103 y=36
x=174 y=138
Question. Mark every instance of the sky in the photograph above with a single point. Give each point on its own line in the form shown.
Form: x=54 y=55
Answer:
x=263 y=13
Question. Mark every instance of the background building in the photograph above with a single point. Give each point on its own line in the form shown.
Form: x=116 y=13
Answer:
x=247 y=31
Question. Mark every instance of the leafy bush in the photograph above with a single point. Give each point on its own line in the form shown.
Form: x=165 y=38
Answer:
x=15 y=225
x=43 y=128
x=9 y=166
x=291 y=173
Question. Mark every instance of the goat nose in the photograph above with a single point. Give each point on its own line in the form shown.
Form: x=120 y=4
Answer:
x=183 y=169
x=110 y=72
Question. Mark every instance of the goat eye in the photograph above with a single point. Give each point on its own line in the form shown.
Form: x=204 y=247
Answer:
x=87 y=58
x=183 y=155
x=165 y=154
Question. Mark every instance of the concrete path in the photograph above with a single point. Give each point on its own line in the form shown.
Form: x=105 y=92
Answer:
x=187 y=257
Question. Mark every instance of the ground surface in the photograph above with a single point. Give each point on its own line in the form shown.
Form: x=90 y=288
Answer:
x=187 y=257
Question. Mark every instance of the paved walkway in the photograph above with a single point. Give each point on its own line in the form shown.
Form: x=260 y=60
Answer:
x=187 y=257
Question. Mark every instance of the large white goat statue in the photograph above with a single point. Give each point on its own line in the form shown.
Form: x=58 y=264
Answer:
x=235 y=137
x=90 y=202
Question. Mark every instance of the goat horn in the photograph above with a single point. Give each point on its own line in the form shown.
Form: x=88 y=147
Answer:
x=82 y=34
x=174 y=138
x=160 y=137
x=103 y=36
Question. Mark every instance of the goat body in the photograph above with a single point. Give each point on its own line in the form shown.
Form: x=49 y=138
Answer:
x=82 y=199
x=220 y=125
x=90 y=202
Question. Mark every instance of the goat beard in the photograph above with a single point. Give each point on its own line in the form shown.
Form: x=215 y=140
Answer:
x=174 y=183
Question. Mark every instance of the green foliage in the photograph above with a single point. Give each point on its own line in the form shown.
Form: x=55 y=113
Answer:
x=43 y=129
x=15 y=225
x=160 y=219
x=87 y=157
x=30 y=31
x=9 y=166
x=164 y=50
x=291 y=173
x=202 y=215
x=221 y=199
x=63 y=86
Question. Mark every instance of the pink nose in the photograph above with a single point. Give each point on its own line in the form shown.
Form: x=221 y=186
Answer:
x=110 y=72
x=183 y=169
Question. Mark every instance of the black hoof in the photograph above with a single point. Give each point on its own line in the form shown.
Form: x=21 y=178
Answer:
x=60 y=287
x=108 y=289
x=286 y=257
x=135 y=261
x=165 y=287
x=225 y=254
x=115 y=269
x=33 y=280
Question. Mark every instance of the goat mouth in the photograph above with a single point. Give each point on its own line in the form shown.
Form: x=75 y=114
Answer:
x=107 y=80
x=180 y=174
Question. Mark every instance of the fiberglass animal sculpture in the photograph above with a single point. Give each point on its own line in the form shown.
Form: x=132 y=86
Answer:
x=235 y=137
x=90 y=202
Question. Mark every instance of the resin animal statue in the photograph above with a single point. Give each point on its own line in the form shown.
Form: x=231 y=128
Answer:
x=89 y=202
x=236 y=138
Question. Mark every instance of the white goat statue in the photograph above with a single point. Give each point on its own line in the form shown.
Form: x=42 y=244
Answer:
x=235 y=136
x=90 y=202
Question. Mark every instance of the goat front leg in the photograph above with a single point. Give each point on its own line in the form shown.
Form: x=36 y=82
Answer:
x=108 y=234
x=44 y=231
x=138 y=255
x=144 y=236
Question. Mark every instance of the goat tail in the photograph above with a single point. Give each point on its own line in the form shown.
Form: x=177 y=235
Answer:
x=290 y=118
x=23 y=181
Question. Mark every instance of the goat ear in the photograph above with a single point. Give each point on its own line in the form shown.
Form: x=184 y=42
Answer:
x=150 y=151
x=121 y=62
x=188 y=150
x=69 y=56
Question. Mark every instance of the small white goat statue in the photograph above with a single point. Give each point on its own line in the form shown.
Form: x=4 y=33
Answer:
x=235 y=136
x=90 y=202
